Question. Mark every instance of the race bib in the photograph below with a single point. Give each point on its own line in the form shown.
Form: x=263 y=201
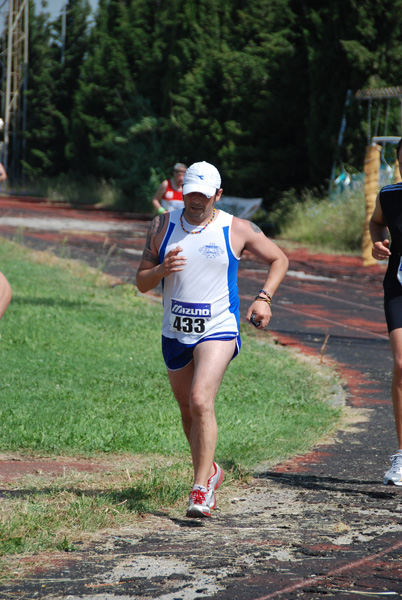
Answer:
x=189 y=317
x=399 y=274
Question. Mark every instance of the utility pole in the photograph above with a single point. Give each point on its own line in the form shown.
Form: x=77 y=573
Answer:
x=15 y=61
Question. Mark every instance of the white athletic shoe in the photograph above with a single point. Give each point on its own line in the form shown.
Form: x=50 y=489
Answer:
x=213 y=484
x=394 y=474
x=198 y=507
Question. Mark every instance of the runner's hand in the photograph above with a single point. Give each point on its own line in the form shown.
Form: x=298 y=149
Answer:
x=261 y=313
x=380 y=250
x=173 y=263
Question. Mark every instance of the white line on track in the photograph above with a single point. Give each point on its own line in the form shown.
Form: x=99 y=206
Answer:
x=53 y=224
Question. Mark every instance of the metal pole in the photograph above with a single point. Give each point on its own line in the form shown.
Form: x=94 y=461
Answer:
x=340 y=139
x=16 y=80
x=24 y=99
x=8 y=82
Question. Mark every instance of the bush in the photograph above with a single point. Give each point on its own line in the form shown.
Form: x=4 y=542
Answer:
x=330 y=224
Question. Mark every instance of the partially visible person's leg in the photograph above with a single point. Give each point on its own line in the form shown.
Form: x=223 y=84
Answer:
x=5 y=294
x=396 y=346
x=394 y=474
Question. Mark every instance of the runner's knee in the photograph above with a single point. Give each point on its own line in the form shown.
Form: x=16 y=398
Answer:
x=398 y=368
x=200 y=405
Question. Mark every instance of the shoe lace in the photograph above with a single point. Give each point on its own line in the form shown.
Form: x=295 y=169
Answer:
x=396 y=460
x=198 y=497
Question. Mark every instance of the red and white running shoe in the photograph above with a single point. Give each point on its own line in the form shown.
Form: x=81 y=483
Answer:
x=198 y=506
x=213 y=484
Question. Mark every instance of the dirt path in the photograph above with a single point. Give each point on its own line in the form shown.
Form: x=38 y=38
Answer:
x=320 y=525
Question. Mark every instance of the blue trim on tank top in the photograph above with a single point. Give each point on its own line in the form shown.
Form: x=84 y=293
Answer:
x=168 y=234
x=233 y=266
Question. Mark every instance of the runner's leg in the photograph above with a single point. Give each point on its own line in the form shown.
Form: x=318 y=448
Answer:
x=396 y=346
x=181 y=382
x=211 y=359
x=195 y=388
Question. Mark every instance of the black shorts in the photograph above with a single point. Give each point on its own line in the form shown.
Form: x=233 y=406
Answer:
x=393 y=309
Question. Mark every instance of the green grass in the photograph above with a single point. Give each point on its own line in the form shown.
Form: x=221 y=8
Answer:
x=56 y=512
x=81 y=373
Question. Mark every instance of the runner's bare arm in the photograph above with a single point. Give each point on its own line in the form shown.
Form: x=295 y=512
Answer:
x=3 y=174
x=248 y=236
x=151 y=272
x=379 y=233
x=5 y=294
x=156 y=200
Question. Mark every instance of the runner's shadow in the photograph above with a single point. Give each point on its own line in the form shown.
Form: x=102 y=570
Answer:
x=190 y=523
x=326 y=483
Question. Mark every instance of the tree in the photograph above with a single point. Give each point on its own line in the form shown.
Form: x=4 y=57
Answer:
x=41 y=111
x=256 y=87
x=350 y=45
x=68 y=53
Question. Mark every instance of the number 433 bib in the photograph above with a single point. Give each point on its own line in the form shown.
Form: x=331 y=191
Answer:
x=189 y=317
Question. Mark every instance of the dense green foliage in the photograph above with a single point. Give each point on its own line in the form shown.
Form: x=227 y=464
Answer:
x=256 y=87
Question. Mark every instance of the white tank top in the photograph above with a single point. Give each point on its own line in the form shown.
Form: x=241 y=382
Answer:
x=202 y=300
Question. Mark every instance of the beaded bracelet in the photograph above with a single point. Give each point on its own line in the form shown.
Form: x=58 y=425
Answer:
x=267 y=300
x=266 y=293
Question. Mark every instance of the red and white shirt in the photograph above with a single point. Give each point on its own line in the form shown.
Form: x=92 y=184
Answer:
x=172 y=199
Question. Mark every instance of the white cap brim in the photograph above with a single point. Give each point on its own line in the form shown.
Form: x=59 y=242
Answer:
x=207 y=190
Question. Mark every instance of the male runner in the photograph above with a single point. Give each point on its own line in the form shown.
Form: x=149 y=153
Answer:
x=195 y=252
x=387 y=219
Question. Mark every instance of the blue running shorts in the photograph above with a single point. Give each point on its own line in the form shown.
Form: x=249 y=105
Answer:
x=177 y=355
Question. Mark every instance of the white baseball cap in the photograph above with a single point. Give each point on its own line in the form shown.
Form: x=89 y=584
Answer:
x=202 y=177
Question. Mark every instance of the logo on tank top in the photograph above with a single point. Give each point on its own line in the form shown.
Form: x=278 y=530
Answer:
x=211 y=250
x=190 y=309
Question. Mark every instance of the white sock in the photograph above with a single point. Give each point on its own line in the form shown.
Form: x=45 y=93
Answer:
x=196 y=486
